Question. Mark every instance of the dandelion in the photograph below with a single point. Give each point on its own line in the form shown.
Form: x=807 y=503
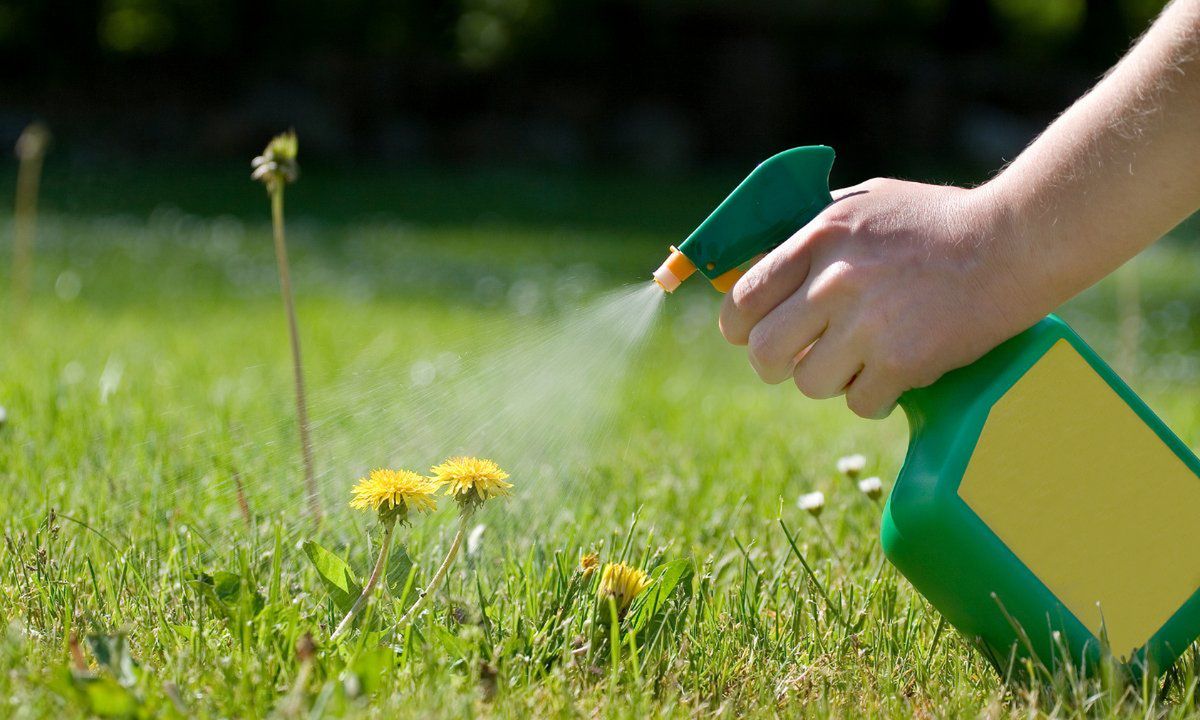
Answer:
x=275 y=168
x=621 y=584
x=588 y=564
x=872 y=487
x=852 y=465
x=812 y=503
x=392 y=494
x=471 y=482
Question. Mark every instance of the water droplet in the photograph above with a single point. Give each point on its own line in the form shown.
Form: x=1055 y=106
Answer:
x=68 y=285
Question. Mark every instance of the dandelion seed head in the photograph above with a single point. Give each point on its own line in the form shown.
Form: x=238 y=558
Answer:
x=471 y=481
x=812 y=503
x=277 y=164
x=394 y=493
x=622 y=583
x=852 y=465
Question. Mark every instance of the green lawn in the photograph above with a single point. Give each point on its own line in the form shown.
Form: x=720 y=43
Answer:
x=149 y=380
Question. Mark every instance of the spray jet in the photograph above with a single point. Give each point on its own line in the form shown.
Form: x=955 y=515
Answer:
x=782 y=195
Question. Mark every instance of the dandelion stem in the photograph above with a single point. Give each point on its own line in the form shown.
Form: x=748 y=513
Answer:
x=833 y=547
x=813 y=577
x=427 y=593
x=31 y=150
x=380 y=567
x=285 y=288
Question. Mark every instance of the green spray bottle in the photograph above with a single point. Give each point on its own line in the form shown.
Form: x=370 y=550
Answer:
x=1042 y=507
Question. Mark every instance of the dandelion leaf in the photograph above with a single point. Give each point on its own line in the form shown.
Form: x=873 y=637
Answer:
x=229 y=596
x=647 y=610
x=98 y=695
x=401 y=578
x=337 y=576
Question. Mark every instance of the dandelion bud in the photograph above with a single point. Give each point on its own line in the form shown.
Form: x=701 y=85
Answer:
x=852 y=465
x=812 y=503
x=588 y=564
x=872 y=487
x=622 y=584
x=277 y=164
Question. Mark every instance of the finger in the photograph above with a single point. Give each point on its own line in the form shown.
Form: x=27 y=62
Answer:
x=871 y=395
x=769 y=282
x=778 y=341
x=828 y=366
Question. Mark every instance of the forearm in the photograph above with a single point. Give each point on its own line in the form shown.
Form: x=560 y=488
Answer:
x=1114 y=173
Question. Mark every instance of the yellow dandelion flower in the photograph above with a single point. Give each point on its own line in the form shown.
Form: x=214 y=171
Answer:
x=471 y=480
x=622 y=583
x=588 y=563
x=394 y=491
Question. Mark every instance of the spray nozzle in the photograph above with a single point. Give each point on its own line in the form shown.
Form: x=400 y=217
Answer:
x=674 y=270
x=782 y=195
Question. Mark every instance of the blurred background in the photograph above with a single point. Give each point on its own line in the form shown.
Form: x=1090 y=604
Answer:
x=514 y=155
x=517 y=154
x=930 y=89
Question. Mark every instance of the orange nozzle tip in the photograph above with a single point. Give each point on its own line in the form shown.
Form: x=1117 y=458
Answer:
x=674 y=270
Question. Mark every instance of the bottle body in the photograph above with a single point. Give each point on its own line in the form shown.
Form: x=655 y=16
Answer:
x=1040 y=508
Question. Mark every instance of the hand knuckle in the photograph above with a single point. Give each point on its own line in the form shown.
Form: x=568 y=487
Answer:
x=759 y=346
x=859 y=403
x=832 y=281
x=809 y=383
x=830 y=226
x=726 y=326
x=802 y=384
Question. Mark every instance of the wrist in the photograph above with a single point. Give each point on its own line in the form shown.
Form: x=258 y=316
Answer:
x=1017 y=285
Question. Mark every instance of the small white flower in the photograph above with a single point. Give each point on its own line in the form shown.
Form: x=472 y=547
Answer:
x=812 y=503
x=872 y=487
x=475 y=540
x=852 y=465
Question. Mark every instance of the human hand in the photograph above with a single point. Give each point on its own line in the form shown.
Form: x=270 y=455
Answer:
x=891 y=286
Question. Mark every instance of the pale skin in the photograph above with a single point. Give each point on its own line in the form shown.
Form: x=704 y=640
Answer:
x=898 y=282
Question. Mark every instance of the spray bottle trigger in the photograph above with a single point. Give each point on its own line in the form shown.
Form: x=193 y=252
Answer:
x=726 y=280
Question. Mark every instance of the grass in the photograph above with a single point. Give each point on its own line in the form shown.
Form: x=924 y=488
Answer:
x=154 y=556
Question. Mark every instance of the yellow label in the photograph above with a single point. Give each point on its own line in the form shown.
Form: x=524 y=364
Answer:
x=1089 y=499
